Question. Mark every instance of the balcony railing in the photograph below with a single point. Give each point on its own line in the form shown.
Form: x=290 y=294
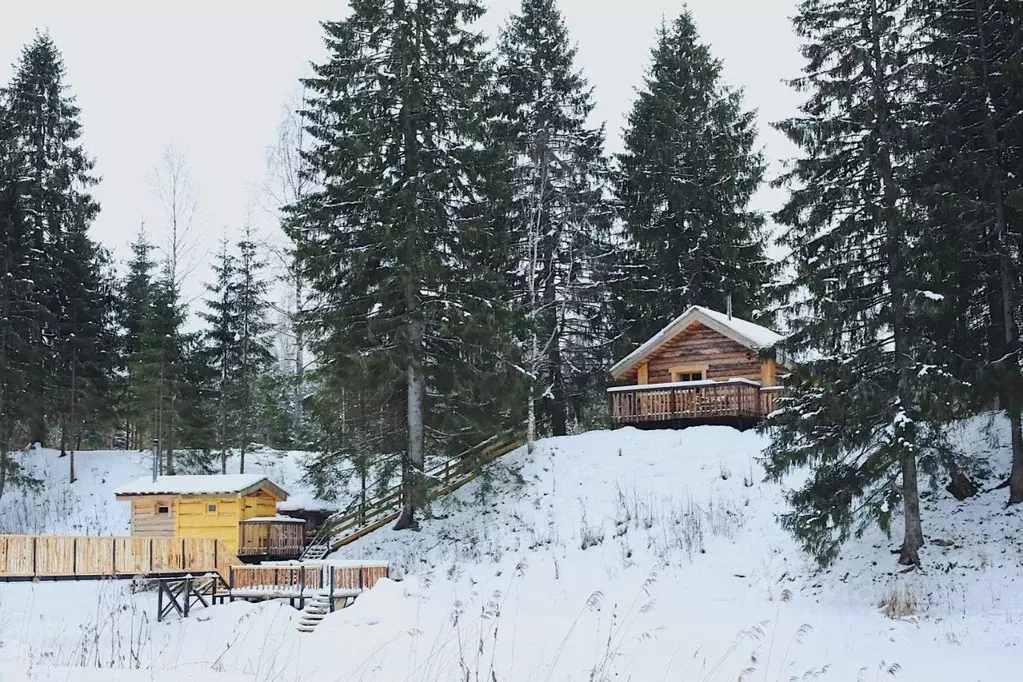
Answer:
x=693 y=401
x=272 y=537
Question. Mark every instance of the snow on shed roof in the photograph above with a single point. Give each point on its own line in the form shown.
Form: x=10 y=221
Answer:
x=200 y=485
x=748 y=334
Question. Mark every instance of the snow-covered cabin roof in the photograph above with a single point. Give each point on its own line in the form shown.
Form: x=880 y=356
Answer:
x=750 y=335
x=226 y=484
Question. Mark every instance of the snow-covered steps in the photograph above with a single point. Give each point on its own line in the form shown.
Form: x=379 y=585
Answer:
x=314 y=612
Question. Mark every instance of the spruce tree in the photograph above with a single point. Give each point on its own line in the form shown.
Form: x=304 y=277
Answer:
x=44 y=123
x=158 y=370
x=222 y=317
x=970 y=171
x=253 y=351
x=685 y=181
x=17 y=303
x=867 y=411
x=407 y=259
x=135 y=297
x=560 y=211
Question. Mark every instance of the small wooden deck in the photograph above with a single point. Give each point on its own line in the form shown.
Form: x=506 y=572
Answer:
x=265 y=538
x=303 y=580
x=708 y=402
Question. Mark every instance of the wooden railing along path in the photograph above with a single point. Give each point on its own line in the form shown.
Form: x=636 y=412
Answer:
x=73 y=556
x=363 y=518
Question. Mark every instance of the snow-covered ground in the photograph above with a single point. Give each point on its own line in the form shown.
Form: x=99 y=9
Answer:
x=622 y=555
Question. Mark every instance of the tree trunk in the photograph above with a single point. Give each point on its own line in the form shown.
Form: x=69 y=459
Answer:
x=558 y=402
x=1016 y=475
x=913 y=538
x=413 y=483
x=903 y=420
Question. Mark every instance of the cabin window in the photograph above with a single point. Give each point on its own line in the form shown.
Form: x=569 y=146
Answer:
x=163 y=510
x=686 y=376
x=211 y=508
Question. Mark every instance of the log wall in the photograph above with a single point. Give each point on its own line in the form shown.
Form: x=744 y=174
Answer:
x=700 y=347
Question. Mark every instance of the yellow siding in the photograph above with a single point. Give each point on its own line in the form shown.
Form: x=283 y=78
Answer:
x=194 y=519
x=259 y=504
x=768 y=373
x=643 y=376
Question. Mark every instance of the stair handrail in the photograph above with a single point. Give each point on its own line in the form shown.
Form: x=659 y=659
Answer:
x=390 y=499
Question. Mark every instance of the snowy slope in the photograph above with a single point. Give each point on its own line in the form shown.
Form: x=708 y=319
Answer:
x=609 y=555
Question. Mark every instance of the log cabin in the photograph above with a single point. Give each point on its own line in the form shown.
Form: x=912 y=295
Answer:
x=240 y=510
x=706 y=367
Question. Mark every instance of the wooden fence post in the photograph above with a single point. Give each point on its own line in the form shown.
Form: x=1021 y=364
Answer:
x=35 y=561
x=151 y=555
x=74 y=555
x=113 y=557
x=331 y=594
x=182 y=554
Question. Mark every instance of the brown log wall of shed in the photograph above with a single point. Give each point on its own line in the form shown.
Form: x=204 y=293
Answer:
x=700 y=345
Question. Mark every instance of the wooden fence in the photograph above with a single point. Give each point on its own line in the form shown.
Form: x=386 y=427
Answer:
x=363 y=518
x=54 y=556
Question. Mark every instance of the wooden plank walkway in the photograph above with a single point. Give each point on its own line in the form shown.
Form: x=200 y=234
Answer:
x=30 y=557
x=361 y=519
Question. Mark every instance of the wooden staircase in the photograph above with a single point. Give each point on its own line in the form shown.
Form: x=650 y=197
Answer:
x=360 y=519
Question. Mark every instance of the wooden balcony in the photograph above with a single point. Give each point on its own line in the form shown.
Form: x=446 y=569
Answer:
x=276 y=537
x=737 y=401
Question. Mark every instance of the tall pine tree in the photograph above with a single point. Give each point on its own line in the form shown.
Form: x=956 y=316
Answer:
x=135 y=302
x=866 y=411
x=221 y=317
x=44 y=123
x=406 y=257
x=18 y=263
x=685 y=181
x=253 y=350
x=561 y=212
x=971 y=177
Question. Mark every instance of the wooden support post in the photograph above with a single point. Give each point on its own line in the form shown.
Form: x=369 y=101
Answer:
x=150 y=554
x=182 y=554
x=331 y=594
x=230 y=577
x=113 y=557
x=34 y=560
x=74 y=555
x=187 y=593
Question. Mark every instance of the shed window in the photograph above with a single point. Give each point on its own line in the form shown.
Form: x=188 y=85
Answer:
x=163 y=510
x=211 y=508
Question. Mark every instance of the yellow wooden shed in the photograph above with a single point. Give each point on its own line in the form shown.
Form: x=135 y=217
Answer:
x=239 y=510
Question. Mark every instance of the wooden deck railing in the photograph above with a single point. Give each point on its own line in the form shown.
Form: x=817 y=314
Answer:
x=360 y=519
x=298 y=579
x=55 y=556
x=271 y=538
x=736 y=398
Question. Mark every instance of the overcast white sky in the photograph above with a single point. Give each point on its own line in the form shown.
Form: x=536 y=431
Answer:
x=211 y=77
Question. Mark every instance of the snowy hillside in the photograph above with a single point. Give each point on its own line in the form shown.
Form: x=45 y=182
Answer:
x=609 y=555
